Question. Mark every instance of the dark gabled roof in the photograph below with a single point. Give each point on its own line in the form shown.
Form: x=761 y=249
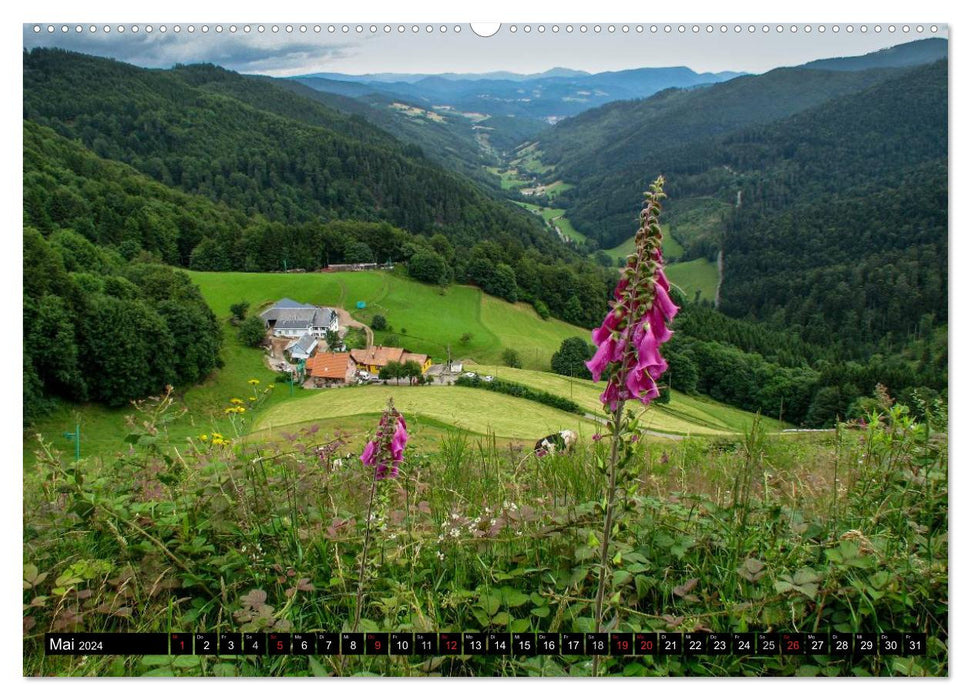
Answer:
x=324 y=316
x=288 y=303
x=295 y=318
x=288 y=313
x=305 y=343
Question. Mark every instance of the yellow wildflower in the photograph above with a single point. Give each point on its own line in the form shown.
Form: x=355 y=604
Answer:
x=252 y=398
x=203 y=437
x=254 y=382
x=235 y=401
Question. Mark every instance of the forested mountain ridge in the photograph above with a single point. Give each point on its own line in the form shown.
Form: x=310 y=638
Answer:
x=844 y=226
x=257 y=161
x=609 y=153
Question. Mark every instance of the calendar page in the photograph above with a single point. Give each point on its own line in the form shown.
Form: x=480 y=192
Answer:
x=437 y=349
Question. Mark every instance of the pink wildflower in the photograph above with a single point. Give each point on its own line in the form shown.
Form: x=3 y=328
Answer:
x=628 y=342
x=386 y=451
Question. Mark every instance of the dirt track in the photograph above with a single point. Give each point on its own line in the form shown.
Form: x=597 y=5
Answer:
x=346 y=320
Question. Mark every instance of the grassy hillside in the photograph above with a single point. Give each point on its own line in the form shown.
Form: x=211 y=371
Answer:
x=699 y=275
x=670 y=246
x=432 y=318
x=473 y=410
x=683 y=415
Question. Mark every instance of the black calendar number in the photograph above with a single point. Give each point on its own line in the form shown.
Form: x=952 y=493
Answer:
x=277 y=643
x=474 y=643
x=206 y=643
x=499 y=643
x=914 y=644
x=254 y=643
x=719 y=643
x=597 y=643
x=694 y=643
x=449 y=643
x=180 y=643
x=352 y=644
x=891 y=643
x=548 y=642
x=645 y=643
x=572 y=643
x=621 y=643
x=303 y=644
x=743 y=643
x=328 y=643
x=865 y=644
x=376 y=643
x=767 y=644
x=840 y=644
x=426 y=643
x=401 y=644
x=816 y=643
x=524 y=643
x=230 y=643
x=793 y=643
x=670 y=643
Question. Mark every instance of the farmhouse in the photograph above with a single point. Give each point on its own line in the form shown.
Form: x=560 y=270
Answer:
x=424 y=361
x=372 y=359
x=301 y=348
x=291 y=319
x=329 y=368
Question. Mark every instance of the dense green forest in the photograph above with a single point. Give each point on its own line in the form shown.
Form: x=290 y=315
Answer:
x=835 y=260
x=289 y=174
x=836 y=224
x=100 y=328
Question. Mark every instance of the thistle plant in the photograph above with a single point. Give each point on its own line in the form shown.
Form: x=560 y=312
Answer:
x=384 y=453
x=628 y=353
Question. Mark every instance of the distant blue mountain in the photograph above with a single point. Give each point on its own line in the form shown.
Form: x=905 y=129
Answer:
x=548 y=96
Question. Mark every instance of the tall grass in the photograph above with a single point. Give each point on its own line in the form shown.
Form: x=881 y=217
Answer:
x=844 y=532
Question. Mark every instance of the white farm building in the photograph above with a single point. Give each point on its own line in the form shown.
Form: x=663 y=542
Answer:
x=291 y=319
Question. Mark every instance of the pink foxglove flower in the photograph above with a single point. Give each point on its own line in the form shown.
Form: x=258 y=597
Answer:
x=387 y=450
x=628 y=342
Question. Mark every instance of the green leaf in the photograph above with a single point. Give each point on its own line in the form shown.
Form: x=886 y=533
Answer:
x=621 y=578
x=155 y=660
x=499 y=620
x=187 y=661
x=164 y=672
x=519 y=625
x=316 y=668
x=490 y=601
x=513 y=598
x=804 y=576
x=543 y=611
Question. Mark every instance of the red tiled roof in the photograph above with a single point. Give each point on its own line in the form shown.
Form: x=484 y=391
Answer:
x=328 y=365
x=414 y=356
x=377 y=355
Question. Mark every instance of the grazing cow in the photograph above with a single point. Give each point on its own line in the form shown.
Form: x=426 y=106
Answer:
x=562 y=441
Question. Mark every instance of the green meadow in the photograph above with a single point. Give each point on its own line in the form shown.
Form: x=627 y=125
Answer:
x=555 y=217
x=669 y=246
x=699 y=275
x=425 y=319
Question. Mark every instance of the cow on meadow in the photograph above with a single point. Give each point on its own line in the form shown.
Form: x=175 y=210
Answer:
x=562 y=441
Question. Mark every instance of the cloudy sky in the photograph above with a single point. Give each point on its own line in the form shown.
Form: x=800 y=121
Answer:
x=311 y=48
